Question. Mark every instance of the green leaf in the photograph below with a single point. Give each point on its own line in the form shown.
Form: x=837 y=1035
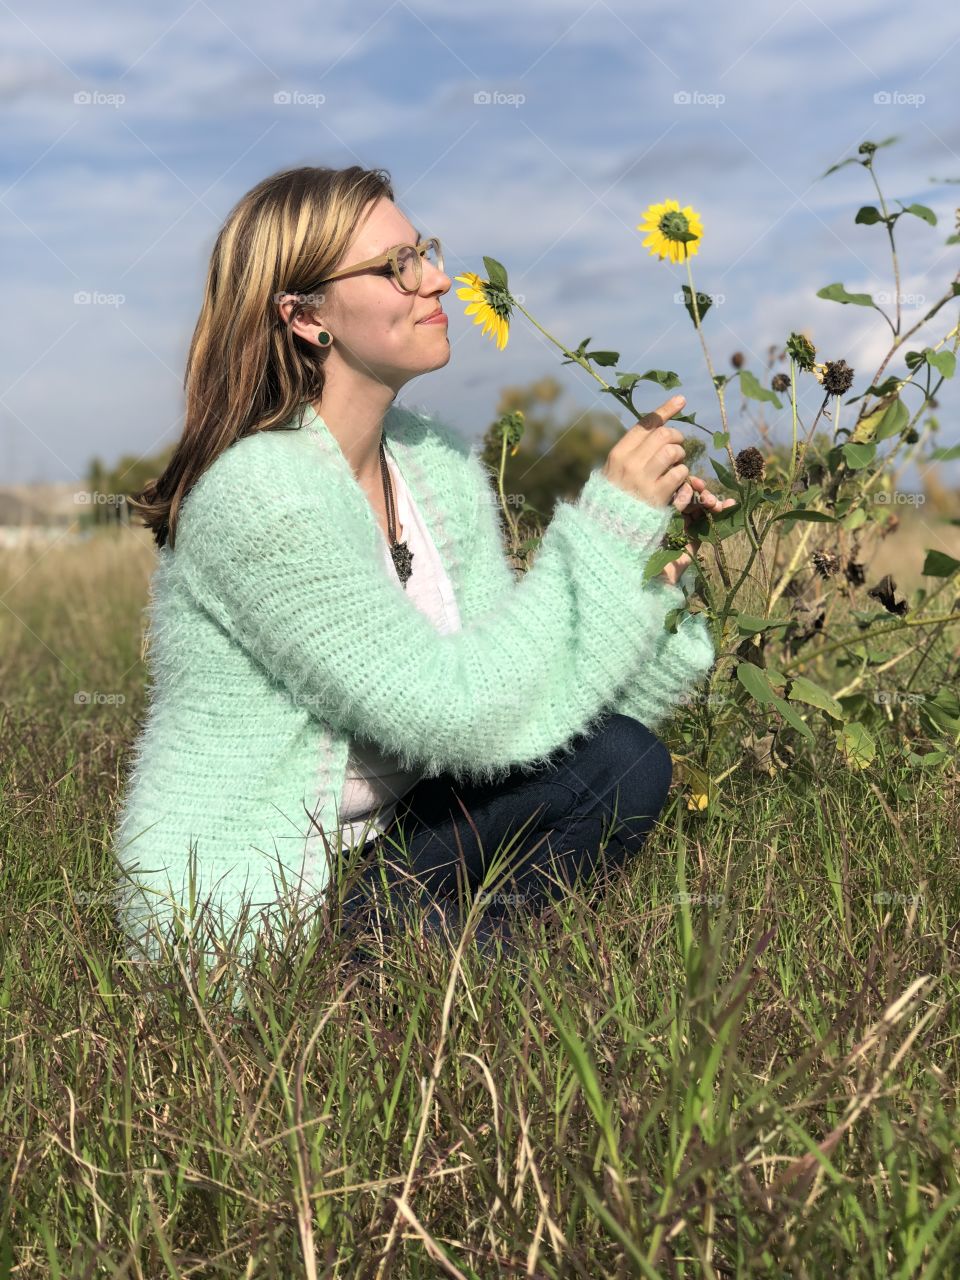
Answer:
x=723 y=474
x=839 y=165
x=803 y=690
x=721 y=439
x=912 y=359
x=704 y=302
x=749 y=626
x=603 y=357
x=946 y=455
x=658 y=560
x=856 y=745
x=725 y=523
x=837 y=293
x=884 y=421
x=665 y=377
x=752 y=388
x=833 y=460
x=854 y=520
x=944 y=362
x=853 y=703
x=868 y=215
x=929 y=758
x=921 y=211
x=802 y=513
x=791 y=717
x=858 y=455
x=894 y=420
x=755 y=681
x=939 y=565
x=672 y=619
x=496 y=272
x=881 y=390
x=941 y=714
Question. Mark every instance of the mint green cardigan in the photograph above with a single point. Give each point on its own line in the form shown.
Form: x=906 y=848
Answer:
x=276 y=633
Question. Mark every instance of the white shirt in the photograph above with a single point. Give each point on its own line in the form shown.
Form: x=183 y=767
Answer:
x=375 y=780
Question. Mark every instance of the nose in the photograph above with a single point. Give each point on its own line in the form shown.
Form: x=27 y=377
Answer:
x=429 y=284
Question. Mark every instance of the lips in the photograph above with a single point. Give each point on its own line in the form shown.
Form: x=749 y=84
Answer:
x=433 y=316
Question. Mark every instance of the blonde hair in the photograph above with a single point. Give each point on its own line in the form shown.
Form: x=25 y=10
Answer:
x=246 y=369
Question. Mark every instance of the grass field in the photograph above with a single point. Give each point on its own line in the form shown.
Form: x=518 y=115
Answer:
x=744 y=1061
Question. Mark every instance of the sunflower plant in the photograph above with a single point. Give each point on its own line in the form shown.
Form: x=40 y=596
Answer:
x=799 y=515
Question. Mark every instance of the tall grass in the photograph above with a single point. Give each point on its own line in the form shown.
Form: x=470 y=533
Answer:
x=741 y=1060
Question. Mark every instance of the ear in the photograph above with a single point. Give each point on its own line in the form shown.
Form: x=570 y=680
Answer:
x=306 y=319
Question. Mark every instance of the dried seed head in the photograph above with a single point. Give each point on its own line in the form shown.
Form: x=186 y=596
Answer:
x=802 y=350
x=749 y=464
x=781 y=382
x=737 y=359
x=825 y=563
x=837 y=377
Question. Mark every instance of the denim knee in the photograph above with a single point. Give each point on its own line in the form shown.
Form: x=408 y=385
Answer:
x=624 y=764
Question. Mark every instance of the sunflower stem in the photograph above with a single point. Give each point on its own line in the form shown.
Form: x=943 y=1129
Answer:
x=514 y=537
x=717 y=546
x=706 y=355
x=572 y=355
x=893 y=246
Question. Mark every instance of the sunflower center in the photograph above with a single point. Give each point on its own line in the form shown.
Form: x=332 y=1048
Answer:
x=674 y=225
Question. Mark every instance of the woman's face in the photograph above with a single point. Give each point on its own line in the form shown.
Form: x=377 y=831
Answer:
x=374 y=323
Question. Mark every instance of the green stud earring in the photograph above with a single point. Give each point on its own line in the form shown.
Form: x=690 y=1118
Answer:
x=323 y=338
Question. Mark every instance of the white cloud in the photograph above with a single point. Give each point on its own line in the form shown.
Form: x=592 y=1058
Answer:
x=103 y=198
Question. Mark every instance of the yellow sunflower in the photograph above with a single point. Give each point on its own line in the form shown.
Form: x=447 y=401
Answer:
x=487 y=306
x=664 y=224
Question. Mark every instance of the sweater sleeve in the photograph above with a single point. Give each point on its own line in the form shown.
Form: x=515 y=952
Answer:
x=666 y=676
x=296 y=576
x=680 y=661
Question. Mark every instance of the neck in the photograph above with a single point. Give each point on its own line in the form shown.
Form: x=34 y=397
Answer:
x=356 y=423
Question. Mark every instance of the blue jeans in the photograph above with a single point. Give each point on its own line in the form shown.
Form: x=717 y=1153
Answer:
x=548 y=823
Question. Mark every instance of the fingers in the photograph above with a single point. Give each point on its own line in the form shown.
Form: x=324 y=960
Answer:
x=656 y=422
x=706 y=498
x=684 y=495
x=660 y=416
x=675 y=568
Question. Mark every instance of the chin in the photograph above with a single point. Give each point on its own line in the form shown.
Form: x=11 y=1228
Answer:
x=442 y=358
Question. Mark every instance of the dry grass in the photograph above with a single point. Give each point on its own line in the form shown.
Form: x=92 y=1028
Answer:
x=743 y=1061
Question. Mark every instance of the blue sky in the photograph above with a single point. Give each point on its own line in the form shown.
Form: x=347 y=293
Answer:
x=121 y=196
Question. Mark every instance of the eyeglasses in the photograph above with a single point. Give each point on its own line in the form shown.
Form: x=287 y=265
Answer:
x=404 y=262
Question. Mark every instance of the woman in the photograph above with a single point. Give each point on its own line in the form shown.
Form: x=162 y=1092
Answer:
x=337 y=642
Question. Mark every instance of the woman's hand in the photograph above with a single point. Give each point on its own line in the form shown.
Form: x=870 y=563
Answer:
x=648 y=460
x=692 y=495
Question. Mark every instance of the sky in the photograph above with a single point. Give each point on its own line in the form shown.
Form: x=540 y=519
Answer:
x=534 y=134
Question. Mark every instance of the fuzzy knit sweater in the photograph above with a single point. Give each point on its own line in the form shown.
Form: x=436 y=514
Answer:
x=277 y=635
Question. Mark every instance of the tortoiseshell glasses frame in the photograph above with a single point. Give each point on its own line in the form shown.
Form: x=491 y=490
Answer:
x=391 y=257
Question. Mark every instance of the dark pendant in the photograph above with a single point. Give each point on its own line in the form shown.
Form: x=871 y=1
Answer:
x=403 y=559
